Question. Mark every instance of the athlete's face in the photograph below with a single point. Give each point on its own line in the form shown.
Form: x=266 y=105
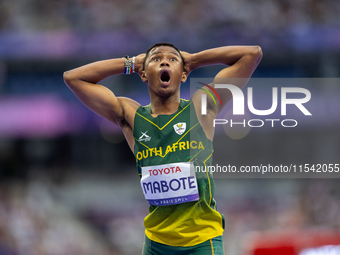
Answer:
x=163 y=71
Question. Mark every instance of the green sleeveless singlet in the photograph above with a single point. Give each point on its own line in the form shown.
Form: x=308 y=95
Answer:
x=177 y=138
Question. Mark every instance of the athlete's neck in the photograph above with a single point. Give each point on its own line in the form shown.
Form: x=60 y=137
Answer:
x=164 y=106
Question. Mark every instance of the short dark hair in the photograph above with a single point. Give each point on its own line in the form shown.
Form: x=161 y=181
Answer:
x=162 y=44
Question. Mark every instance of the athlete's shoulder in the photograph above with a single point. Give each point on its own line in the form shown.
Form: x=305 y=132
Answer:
x=185 y=102
x=144 y=109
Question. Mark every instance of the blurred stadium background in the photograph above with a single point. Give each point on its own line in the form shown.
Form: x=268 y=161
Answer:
x=68 y=184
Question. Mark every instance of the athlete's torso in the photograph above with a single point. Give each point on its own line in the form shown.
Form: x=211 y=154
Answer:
x=177 y=138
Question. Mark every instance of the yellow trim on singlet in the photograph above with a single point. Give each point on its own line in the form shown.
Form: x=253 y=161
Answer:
x=167 y=122
x=174 y=143
x=208 y=177
x=195 y=155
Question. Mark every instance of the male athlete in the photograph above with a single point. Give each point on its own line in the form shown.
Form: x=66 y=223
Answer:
x=167 y=140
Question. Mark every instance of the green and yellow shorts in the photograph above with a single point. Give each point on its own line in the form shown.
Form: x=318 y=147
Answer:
x=212 y=246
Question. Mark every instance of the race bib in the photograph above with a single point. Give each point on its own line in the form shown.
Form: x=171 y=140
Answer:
x=169 y=184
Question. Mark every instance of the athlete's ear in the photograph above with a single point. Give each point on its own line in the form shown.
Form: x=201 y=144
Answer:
x=143 y=76
x=184 y=76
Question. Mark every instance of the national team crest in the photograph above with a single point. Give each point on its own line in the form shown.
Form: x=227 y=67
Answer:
x=180 y=128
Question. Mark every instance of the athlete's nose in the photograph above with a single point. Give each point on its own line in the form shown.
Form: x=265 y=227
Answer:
x=165 y=63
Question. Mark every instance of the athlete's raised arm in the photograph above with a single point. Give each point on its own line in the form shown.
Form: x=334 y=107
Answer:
x=101 y=100
x=241 y=62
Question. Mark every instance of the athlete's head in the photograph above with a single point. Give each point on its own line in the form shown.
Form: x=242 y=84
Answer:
x=163 y=69
x=158 y=45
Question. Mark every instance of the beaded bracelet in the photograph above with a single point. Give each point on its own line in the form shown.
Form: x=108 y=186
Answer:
x=128 y=65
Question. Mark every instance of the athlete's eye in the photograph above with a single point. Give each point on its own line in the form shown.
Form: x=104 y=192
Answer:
x=156 y=58
x=173 y=59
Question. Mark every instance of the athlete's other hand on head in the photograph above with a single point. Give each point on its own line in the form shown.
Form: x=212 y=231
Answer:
x=187 y=57
x=139 y=63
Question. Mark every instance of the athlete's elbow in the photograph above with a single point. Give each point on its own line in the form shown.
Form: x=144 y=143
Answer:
x=256 y=53
x=68 y=77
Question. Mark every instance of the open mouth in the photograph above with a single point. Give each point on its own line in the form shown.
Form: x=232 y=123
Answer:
x=165 y=77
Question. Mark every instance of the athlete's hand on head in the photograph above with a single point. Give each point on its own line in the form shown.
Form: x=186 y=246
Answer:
x=139 y=63
x=187 y=60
